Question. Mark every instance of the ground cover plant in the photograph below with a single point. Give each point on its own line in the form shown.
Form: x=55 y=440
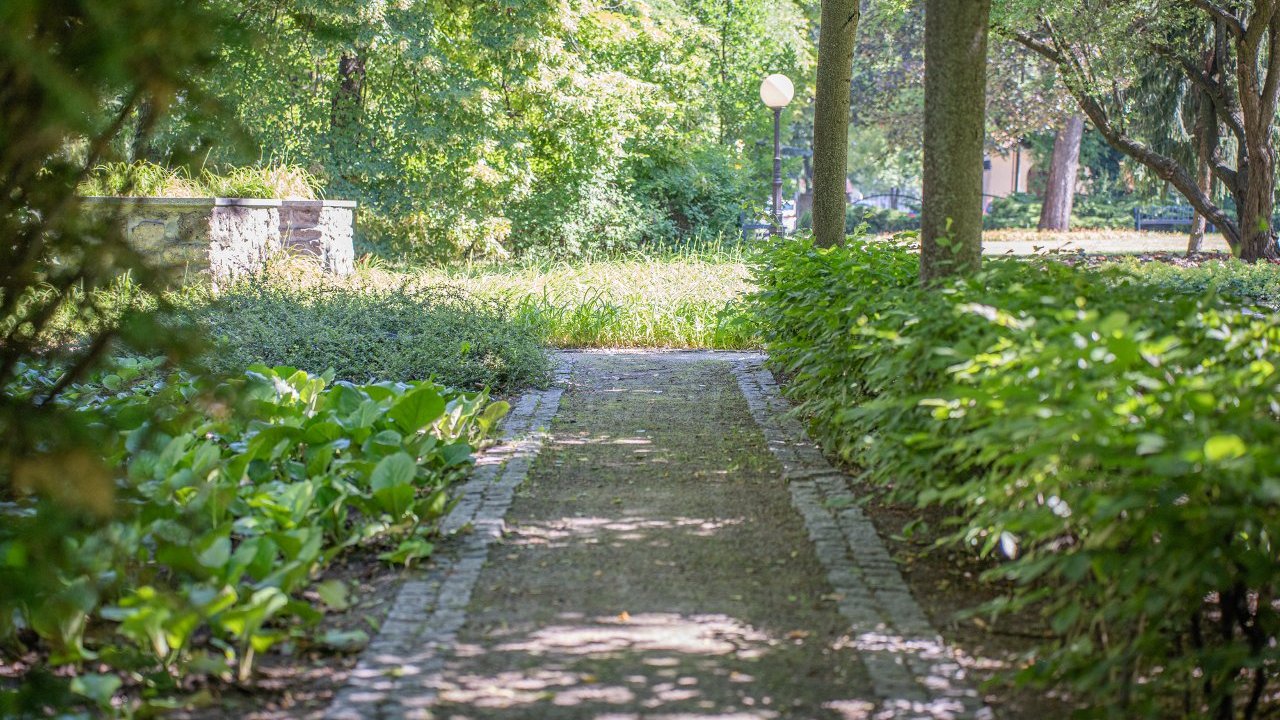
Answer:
x=1112 y=439
x=188 y=552
x=364 y=332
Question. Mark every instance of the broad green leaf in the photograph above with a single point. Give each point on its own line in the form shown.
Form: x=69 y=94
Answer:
x=417 y=409
x=392 y=471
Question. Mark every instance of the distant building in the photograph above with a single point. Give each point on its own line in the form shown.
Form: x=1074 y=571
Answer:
x=1005 y=174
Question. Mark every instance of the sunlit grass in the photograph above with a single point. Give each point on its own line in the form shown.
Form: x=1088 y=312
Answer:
x=668 y=300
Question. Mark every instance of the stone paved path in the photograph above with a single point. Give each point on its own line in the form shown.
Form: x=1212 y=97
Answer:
x=676 y=549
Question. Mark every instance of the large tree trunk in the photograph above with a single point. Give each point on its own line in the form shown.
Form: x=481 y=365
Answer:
x=831 y=119
x=1257 y=237
x=1206 y=139
x=1258 y=95
x=1060 y=194
x=955 y=85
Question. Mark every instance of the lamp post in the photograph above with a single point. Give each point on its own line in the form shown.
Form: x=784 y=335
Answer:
x=776 y=91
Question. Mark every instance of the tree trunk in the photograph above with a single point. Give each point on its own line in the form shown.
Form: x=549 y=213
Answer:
x=831 y=119
x=140 y=147
x=1204 y=174
x=955 y=84
x=1195 y=243
x=350 y=94
x=1258 y=93
x=1206 y=139
x=1060 y=194
x=1257 y=237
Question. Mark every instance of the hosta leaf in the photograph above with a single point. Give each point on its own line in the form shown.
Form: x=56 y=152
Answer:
x=417 y=409
x=393 y=470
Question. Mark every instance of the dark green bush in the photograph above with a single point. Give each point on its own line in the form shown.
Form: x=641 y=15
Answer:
x=397 y=333
x=1115 y=442
x=880 y=220
x=1090 y=212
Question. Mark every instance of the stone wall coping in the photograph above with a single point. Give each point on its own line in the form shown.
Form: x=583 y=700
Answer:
x=197 y=202
x=134 y=200
x=247 y=202
x=322 y=203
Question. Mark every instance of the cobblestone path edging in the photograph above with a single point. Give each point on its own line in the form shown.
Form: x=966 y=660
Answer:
x=911 y=669
x=394 y=675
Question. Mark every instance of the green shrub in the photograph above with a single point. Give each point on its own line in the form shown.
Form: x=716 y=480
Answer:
x=399 y=332
x=1258 y=283
x=1019 y=210
x=1115 y=442
x=218 y=504
x=595 y=218
x=1089 y=212
x=697 y=194
x=879 y=221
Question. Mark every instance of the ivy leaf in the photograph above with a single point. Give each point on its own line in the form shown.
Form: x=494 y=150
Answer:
x=344 y=640
x=97 y=687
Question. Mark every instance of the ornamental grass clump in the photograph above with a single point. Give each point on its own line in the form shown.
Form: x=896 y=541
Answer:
x=1115 y=444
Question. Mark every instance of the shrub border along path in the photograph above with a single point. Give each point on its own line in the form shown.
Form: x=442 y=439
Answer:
x=911 y=670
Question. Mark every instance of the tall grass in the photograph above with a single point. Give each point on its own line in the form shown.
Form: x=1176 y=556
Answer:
x=272 y=180
x=680 y=298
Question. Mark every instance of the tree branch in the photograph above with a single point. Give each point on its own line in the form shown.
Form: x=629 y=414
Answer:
x=1271 y=85
x=1222 y=100
x=1166 y=168
x=1220 y=13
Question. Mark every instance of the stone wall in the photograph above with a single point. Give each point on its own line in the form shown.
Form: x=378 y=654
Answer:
x=232 y=237
x=323 y=228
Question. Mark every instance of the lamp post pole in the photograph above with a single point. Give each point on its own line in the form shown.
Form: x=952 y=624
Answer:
x=775 y=92
x=777 y=171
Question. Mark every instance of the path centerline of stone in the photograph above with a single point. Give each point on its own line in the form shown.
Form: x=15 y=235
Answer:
x=677 y=549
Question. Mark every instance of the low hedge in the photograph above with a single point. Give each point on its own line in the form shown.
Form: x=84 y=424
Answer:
x=1090 y=212
x=1113 y=443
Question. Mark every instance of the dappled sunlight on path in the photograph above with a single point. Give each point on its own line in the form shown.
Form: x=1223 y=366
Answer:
x=653 y=564
x=653 y=567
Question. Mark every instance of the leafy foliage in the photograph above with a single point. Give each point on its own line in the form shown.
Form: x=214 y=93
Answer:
x=232 y=496
x=480 y=128
x=398 y=331
x=880 y=220
x=74 y=73
x=1021 y=210
x=1113 y=441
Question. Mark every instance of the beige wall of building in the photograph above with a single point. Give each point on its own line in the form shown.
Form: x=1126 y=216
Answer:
x=999 y=180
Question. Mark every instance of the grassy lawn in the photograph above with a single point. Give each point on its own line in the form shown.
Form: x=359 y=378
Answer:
x=665 y=300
